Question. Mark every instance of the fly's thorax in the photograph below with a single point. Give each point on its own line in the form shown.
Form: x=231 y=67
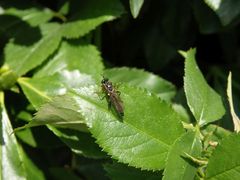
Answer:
x=107 y=87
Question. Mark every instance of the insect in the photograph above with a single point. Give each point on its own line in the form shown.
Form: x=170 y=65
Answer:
x=113 y=96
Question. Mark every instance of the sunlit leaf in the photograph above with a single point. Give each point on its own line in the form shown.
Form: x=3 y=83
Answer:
x=224 y=164
x=11 y=159
x=140 y=78
x=74 y=55
x=135 y=7
x=62 y=111
x=205 y=104
x=40 y=90
x=34 y=16
x=91 y=14
x=152 y=124
x=177 y=165
x=21 y=58
x=15 y=163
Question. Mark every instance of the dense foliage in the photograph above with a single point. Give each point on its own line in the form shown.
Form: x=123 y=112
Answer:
x=58 y=123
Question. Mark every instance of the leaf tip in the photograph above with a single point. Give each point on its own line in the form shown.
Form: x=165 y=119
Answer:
x=182 y=53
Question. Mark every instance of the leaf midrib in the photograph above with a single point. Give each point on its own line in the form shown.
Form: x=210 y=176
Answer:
x=24 y=82
x=139 y=130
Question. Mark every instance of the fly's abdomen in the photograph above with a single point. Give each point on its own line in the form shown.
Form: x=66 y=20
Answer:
x=118 y=105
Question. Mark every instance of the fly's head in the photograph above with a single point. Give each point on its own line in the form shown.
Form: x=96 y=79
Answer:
x=107 y=85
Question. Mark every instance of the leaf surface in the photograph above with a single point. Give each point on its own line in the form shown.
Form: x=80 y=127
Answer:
x=205 y=104
x=177 y=166
x=11 y=160
x=21 y=58
x=135 y=7
x=91 y=14
x=33 y=16
x=152 y=124
x=224 y=164
x=14 y=162
x=140 y=78
x=40 y=90
x=74 y=55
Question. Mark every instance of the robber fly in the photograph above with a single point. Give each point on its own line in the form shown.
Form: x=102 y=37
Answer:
x=112 y=95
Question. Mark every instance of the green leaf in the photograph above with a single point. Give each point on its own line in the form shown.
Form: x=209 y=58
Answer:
x=140 y=78
x=11 y=159
x=205 y=104
x=15 y=163
x=119 y=171
x=148 y=122
x=135 y=7
x=32 y=171
x=182 y=112
x=40 y=90
x=63 y=7
x=227 y=11
x=33 y=16
x=61 y=112
x=178 y=166
x=213 y=135
x=224 y=164
x=17 y=16
x=26 y=136
x=22 y=59
x=79 y=142
x=7 y=78
x=74 y=55
x=216 y=133
x=91 y=14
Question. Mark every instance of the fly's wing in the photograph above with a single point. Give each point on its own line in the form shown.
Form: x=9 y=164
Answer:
x=117 y=103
